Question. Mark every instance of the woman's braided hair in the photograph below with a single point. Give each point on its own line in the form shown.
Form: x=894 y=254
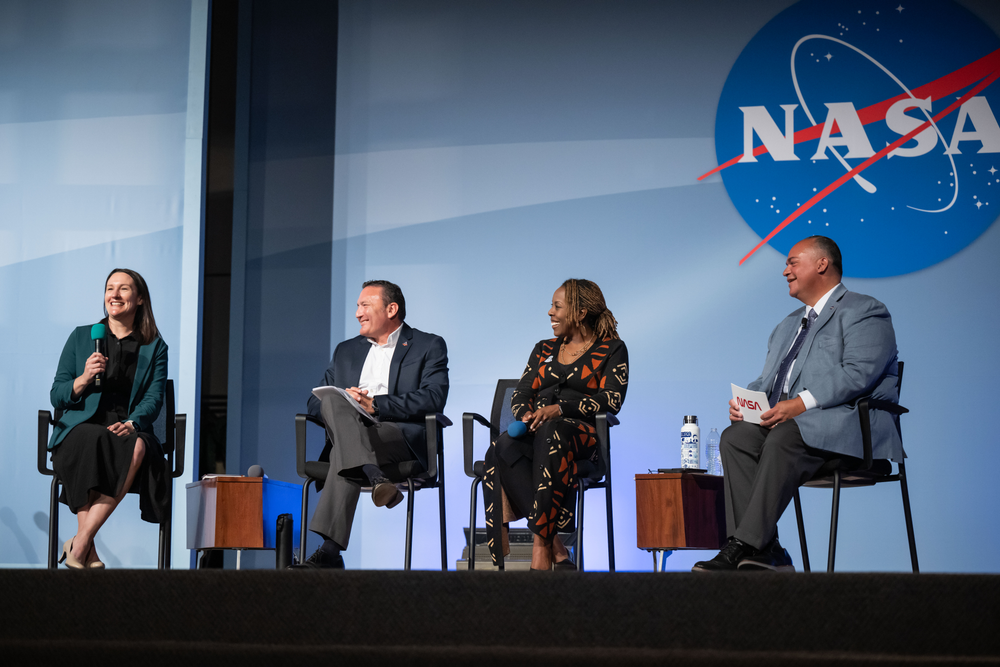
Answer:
x=585 y=294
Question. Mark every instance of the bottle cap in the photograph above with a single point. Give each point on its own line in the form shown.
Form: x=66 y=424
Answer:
x=690 y=419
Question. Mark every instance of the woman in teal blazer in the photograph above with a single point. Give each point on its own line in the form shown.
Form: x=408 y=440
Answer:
x=103 y=444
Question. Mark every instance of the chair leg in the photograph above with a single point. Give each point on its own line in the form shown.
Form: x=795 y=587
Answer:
x=54 y=524
x=498 y=525
x=165 y=528
x=303 y=534
x=909 y=517
x=802 y=532
x=579 y=527
x=833 y=521
x=163 y=550
x=444 y=534
x=409 y=524
x=472 y=523
x=611 y=527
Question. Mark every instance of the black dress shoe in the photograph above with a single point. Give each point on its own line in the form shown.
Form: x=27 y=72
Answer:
x=772 y=557
x=320 y=560
x=728 y=559
x=565 y=565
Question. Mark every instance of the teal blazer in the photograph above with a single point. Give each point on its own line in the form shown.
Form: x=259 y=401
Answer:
x=147 y=387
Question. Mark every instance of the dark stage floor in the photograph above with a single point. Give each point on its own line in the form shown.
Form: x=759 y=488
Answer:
x=359 y=618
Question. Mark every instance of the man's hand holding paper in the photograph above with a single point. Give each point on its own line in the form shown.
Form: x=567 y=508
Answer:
x=783 y=411
x=747 y=405
x=362 y=398
x=359 y=399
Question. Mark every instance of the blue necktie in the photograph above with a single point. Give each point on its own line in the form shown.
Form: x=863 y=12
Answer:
x=779 y=380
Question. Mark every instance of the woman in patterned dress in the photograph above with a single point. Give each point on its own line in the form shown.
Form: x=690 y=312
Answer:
x=567 y=381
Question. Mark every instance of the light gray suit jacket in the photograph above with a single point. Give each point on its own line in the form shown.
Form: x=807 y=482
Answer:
x=850 y=353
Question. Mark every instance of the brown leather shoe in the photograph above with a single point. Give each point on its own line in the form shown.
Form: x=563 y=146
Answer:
x=386 y=494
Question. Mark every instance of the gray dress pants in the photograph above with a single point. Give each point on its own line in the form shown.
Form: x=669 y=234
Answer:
x=763 y=467
x=356 y=443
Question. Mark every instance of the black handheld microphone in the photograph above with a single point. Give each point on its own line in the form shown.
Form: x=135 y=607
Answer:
x=256 y=471
x=97 y=335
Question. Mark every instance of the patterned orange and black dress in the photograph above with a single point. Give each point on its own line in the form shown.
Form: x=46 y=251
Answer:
x=538 y=471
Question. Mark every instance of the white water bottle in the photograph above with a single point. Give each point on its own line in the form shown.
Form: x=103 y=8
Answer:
x=690 y=443
x=713 y=458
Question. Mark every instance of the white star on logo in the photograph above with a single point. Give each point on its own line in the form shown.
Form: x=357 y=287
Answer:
x=979 y=204
x=900 y=9
x=992 y=170
x=828 y=57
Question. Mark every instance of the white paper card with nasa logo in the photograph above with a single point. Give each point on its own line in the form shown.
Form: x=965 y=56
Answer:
x=751 y=403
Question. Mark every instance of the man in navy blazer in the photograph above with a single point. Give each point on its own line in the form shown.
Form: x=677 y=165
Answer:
x=821 y=360
x=393 y=376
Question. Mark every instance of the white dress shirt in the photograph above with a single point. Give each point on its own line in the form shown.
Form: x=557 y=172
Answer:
x=375 y=372
x=807 y=398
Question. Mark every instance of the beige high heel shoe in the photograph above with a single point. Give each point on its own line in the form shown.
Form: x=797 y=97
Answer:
x=95 y=564
x=67 y=555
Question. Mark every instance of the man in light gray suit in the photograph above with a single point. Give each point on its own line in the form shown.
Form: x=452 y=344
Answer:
x=821 y=361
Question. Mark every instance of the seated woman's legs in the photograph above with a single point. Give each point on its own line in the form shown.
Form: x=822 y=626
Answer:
x=528 y=468
x=90 y=518
x=508 y=473
x=558 y=446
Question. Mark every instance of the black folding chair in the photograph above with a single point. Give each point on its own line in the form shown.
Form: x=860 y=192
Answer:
x=845 y=473
x=169 y=428
x=408 y=475
x=591 y=475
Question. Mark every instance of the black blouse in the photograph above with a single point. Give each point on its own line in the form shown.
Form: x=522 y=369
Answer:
x=116 y=388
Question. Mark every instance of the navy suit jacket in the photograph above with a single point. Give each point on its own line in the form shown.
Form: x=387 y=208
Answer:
x=148 y=386
x=849 y=353
x=418 y=382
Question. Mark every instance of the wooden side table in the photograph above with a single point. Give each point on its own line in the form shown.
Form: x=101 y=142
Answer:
x=679 y=511
x=225 y=513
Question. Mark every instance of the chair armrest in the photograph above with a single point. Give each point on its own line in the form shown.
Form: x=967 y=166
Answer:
x=300 y=441
x=888 y=406
x=469 y=420
x=180 y=433
x=435 y=448
x=438 y=417
x=864 y=405
x=44 y=419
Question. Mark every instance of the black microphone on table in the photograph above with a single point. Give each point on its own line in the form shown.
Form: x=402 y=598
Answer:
x=256 y=471
x=97 y=335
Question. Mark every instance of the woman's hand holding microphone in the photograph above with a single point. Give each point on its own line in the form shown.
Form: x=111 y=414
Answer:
x=96 y=364
x=541 y=415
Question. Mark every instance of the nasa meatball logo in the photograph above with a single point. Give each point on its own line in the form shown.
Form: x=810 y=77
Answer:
x=873 y=123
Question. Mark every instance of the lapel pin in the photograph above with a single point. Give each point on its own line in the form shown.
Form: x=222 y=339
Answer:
x=404 y=343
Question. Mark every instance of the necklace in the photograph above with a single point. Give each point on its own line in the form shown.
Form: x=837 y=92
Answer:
x=586 y=346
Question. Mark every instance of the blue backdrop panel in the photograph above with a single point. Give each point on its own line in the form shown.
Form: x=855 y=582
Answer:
x=280 y=322
x=93 y=141
x=486 y=152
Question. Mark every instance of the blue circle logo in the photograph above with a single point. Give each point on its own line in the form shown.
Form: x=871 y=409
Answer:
x=873 y=123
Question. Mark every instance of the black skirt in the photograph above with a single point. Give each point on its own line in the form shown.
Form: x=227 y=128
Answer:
x=91 y=457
